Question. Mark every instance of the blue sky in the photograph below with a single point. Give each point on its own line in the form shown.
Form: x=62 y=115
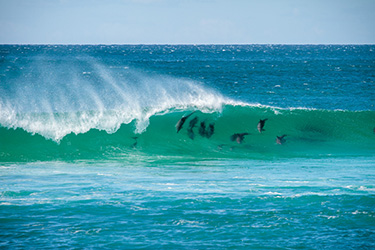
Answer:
x=187 y=22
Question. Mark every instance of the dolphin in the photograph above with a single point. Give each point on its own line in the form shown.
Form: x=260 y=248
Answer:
x=238 y=137
x=210 y=130
x=261 y=125
x=181 y=122
x=193 y=122
x=280 y=139
x=191 y=133
x=207 y=132
x=191 y=126
x=134 y=145
x=202 y=129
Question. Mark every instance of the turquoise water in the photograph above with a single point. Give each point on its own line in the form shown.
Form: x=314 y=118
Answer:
x=90 y=156
x=240 y=204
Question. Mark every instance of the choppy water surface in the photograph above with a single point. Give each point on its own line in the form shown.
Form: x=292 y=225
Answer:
x=90 y=156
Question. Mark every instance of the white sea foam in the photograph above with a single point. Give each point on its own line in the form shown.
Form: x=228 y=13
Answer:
x=55 y=103
x=57 y=107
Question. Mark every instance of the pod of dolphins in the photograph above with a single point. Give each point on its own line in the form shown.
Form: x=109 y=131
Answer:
x=208 y=132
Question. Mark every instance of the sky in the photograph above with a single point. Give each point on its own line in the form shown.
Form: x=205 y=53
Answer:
x=187 y=22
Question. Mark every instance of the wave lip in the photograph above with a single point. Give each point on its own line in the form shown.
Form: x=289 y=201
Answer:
x=104 y=102
x=310 y=133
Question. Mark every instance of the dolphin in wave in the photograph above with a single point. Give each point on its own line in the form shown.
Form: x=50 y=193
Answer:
x=207 y=132
x=210 y=131
x=261 y=125
x=202 y=129
x=238 y=137
x=134 y=145
x=181 y=122
x=280 y=139
x=192 y=124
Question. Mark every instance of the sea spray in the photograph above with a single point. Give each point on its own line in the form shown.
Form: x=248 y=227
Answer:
x=74 y=176
x=104 y=100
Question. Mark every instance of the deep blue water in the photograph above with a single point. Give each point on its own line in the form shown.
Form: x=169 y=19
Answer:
x=90 y=157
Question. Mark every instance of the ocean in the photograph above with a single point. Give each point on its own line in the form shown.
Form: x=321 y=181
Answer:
x=187 y=146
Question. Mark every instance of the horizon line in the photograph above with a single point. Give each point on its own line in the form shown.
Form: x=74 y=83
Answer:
x=194 y=44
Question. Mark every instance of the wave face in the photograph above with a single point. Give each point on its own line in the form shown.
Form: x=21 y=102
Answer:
x=85 y=102
x=309 y=133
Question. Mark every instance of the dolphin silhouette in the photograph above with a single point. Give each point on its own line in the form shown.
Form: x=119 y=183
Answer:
x=238 y=137
x=192 y=124
x=181 y=122
x=280 y=139
x=134 y=145
x=210 y=130
x=191 y=133
x=202 y=129
x=206 y=132
x=261 y=125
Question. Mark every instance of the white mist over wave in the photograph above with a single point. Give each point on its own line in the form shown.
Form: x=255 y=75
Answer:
x=60 y=98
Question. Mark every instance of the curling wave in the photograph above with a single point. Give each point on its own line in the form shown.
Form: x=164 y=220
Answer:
x=90 y=111
x=310 y=133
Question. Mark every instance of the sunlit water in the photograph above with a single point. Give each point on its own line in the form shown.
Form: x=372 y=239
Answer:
x=90 y=157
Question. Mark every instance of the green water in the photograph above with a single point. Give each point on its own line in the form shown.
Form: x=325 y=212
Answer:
x=309 y=133
x=90 y=157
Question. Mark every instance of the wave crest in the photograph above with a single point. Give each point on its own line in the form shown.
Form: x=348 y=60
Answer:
x=97 y=97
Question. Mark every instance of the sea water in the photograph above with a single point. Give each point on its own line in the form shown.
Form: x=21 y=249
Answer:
x=90 y=156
